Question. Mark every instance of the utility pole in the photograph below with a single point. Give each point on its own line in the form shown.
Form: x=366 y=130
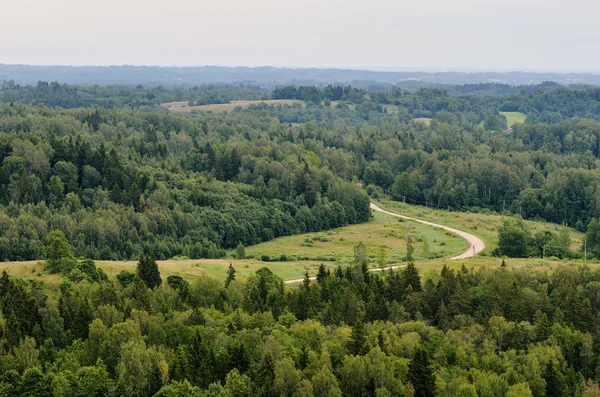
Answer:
x=403 y=199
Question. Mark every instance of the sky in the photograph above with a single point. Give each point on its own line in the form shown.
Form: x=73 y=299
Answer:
x=542 y=35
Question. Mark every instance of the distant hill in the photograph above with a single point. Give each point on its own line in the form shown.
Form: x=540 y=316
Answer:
x=271 y=76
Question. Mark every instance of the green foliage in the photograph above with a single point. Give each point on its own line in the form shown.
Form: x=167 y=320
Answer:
x=147 y=270
x=240 y=252
x=360 y=254
x=404 y=337
x=420 y=375
x=59 y=256
x=125 y=278
x=410 y=249
x=230 y=275
x=175 y=185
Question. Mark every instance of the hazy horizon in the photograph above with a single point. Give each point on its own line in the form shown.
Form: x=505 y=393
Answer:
x=515 y=35
x=326 y=67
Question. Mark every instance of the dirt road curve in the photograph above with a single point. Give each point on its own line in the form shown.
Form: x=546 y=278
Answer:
x=476 y=245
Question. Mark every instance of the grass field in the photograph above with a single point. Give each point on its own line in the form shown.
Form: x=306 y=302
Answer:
x=513 y=117
x=383 y=231
x=225 y=107
x=484 y=226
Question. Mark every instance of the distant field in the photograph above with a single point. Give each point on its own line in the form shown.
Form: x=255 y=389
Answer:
x=225 y=107
x=423 y=120
x=484 y=226
x=513 y=117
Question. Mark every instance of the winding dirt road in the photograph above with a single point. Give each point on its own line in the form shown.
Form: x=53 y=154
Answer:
x=476 y=245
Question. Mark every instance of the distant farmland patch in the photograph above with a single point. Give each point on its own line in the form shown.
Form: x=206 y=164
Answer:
x=513 y=117
x=226 y=107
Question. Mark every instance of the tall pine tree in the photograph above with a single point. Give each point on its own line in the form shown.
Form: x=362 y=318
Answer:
x=420 y=375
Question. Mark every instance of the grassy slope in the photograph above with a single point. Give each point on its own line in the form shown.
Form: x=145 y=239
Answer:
x=484 y=226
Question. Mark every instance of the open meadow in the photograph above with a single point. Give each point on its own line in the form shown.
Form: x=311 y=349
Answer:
x=513 y=117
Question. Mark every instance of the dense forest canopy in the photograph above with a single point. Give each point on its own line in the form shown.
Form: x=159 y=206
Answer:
x=122 y=179
x=350 y=332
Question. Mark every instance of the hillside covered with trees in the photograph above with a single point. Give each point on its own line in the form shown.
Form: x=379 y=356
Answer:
x=91 y=173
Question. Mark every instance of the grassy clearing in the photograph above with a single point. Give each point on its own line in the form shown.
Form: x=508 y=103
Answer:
x=383 y=231
x=424 y=120
x=513 y=117
x=225 y=107
x=484 y=226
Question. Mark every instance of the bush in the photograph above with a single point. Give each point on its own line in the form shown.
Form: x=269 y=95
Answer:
x=265 y=258
x=125 y=278
x=180 y=258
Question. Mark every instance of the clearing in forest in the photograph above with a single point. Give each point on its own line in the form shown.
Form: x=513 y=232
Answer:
x=424 y=120
x=513 y=117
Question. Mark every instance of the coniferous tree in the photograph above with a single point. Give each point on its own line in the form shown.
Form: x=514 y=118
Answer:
x=147 y=270
x=200 y=360
x=420 y=375
x=321 y=274
x=359 y=339
x=411 y=277
x=264 y=377
x=230 y=275
x=555 y=383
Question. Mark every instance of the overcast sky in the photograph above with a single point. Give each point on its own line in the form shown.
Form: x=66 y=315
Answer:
x=389 y=34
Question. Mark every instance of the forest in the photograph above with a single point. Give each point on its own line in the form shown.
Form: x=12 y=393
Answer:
x=119 y=182
x=489 y=332
x=91 y=173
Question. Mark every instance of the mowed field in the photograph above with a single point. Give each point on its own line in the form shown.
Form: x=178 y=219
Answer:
x=225 y=107
x=513 y=117
x=484 y=226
